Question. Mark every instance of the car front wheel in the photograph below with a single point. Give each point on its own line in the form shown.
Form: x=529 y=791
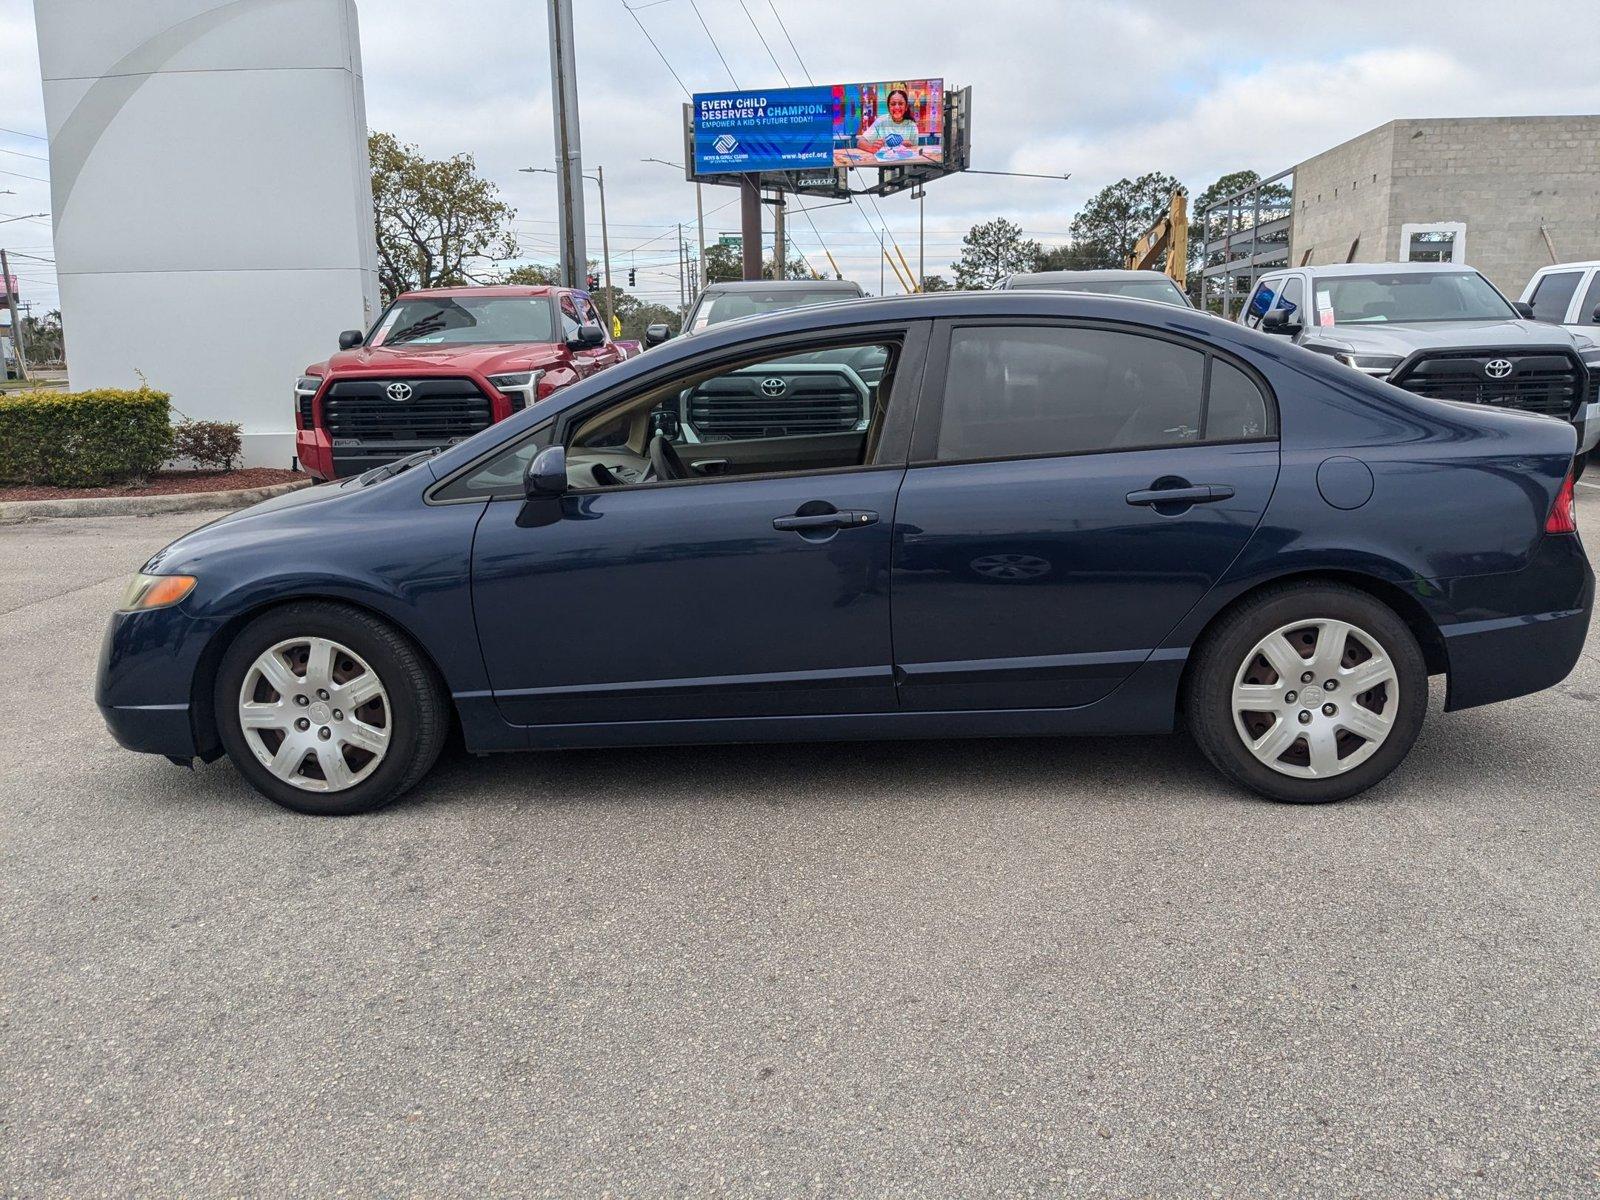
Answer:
x=327 y=710
x=1308 y=693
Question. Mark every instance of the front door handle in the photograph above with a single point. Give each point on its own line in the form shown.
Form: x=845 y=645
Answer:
x=1205 y=493
x=845 y=518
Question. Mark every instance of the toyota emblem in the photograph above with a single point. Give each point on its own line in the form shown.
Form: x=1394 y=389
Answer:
x=399 y=391
x=773 y=386
x=1497 y=368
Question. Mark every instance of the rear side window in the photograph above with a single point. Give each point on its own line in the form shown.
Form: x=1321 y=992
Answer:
x=1552 y=295
x=1589 y=307
x=1030 y=391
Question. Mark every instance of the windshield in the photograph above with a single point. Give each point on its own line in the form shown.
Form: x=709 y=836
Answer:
x=1420 y=296
x=466 y=321
x=726 y=306
x=1163 y=290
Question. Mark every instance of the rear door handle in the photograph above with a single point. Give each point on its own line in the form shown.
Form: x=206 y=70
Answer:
x=845 y=518
x=1201 y=494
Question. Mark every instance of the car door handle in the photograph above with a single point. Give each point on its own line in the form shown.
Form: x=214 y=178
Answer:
x=845 y=518
x=1204 y=493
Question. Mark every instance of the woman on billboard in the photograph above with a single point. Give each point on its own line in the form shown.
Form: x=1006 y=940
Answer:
x=895 y=133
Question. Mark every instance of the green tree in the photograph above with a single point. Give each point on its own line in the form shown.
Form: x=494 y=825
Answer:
x=42 y=339
x=991 y=251
x=725 y=264
x=532 y=275
x=1078 y=256
x=1117 y=214
x=439 y=224
x=936 y=283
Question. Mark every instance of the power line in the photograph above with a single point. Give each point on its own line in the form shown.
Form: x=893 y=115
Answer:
x=20 y=154
x=38 y=137
x=790 y=40
x=653 y=45
x=20 y=175
x=764 y=45
x=713 y=41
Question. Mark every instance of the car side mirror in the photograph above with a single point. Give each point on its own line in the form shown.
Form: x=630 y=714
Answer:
x=654 y=335
x=1595 y=315
x=547 y=474
x=667 y=424
x=351 y=338
x=1279 y=321
x=587 y=337
x=1524 y=309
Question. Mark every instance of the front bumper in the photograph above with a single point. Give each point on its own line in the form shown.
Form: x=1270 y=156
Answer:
x=144 y=686
x=1588 y=423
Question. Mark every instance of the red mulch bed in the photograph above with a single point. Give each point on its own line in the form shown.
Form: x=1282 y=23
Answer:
x=167 y=483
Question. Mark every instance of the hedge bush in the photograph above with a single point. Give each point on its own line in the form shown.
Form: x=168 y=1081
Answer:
x=83 y=439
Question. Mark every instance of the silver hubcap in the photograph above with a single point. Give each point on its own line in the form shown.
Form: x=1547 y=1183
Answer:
x=315 y=714
x=1316 y=698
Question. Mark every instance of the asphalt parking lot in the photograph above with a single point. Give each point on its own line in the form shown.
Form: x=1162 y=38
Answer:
x=1061 y=967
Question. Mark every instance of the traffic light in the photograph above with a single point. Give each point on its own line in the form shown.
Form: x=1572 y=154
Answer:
x=594 y=281
x=631 y=275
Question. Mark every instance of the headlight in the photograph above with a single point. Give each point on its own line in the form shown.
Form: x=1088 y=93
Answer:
x=156 y=591
x=307 y=385
x=521 y=386
x=1376 y=365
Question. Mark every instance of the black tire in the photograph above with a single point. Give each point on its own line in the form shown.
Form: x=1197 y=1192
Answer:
x=420 y=715
x=1209 y=689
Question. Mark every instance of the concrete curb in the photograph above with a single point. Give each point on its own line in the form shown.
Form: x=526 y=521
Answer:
x=144 y=506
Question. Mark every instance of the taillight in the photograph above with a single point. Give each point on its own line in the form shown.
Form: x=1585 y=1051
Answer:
x=1563 y=516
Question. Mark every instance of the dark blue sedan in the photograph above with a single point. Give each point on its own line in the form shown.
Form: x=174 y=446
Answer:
x=974 y=514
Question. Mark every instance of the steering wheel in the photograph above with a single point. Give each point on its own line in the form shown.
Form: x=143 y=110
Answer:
x=664 y=460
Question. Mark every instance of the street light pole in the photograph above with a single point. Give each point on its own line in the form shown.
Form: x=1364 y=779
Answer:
x=605 y=232
x=16 y=324
x=569 y=157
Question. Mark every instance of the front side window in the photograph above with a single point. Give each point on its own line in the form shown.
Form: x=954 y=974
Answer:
x=1260 y=301
x=1292 y=297
x=591 y=315
x=810 y=410
x=1031 y=391
x=569 y=317
x=1411 y=296
x=466 y=320
x=1553 y=294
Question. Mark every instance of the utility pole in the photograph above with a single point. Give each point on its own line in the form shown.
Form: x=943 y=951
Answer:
x=682 y=300
x=700 y=259
x=605 y=248
x=780 y=255
x=882 y=254
x=922 y=269
x=16 y=324
x=569 y=157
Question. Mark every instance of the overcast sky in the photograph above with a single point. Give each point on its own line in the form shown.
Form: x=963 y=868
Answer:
x=1099 y=88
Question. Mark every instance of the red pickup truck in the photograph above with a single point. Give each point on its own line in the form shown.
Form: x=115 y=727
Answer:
x=440 y=365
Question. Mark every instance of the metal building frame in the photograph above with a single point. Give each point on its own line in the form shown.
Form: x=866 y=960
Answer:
x=1242 y=250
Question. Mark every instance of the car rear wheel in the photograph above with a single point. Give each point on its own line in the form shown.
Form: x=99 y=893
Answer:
x=1308 y=693
x=327 y=710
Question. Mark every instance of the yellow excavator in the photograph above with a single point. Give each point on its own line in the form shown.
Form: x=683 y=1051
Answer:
x=1169 y=236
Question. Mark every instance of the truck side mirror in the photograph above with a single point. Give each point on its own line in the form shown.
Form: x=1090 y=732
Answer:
x=1524 y=309
x=351 y=338
x=654 y=335
x=587 y=337
x=1278 y=321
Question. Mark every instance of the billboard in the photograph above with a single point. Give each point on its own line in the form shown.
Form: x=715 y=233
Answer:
x=886 y=124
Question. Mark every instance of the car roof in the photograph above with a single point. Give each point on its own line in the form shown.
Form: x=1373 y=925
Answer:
x=493 y=289
x=1333 y=270
x=844 y=287
x=1108 y=273
x=1568 y=266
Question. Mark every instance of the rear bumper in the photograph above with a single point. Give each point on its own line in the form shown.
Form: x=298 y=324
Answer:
x=1497 y=657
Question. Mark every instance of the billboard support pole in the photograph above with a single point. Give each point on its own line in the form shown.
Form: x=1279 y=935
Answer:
x=780 y=258
x=750 y=224
x=569 y=158
x=700 y=259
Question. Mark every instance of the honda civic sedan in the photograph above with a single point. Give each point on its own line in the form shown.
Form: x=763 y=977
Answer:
x=977 y=514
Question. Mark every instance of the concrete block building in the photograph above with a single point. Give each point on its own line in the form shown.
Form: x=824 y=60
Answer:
x=1506 y=195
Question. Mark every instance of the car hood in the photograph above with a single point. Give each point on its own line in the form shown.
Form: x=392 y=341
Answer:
x=437 y=360
x=1400 y=339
